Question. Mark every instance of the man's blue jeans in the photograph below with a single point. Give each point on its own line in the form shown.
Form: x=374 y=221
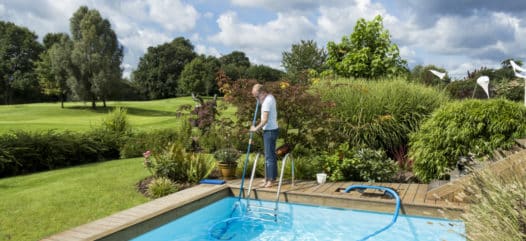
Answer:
x=271 y=160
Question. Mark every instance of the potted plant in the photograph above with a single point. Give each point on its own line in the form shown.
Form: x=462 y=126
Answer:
x=227 y=161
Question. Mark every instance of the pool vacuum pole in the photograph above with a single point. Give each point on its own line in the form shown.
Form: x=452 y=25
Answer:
x=248 y=152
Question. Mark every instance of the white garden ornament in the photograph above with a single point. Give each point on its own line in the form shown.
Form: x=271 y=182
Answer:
x=483 y=81
x=438 y=74
x=521 y=73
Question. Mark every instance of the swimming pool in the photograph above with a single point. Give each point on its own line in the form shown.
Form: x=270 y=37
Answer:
x=305 y=222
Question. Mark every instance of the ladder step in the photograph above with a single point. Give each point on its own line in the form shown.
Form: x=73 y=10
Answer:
x=265 y=213
x=261 y=207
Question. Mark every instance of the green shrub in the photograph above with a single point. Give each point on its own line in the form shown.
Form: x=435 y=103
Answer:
x=305 y=168
x=464 y=89
x=117 y=122
x=379 y=114
x=359 y=164
x=225 y=134
x=178 y=165
x=108 y=143
x=512 y=90
x=460 y=128
x=498 y=211
x=171 y=163
x=160 y=187
x=26 y=152
x=200 y=166
x=153 y=140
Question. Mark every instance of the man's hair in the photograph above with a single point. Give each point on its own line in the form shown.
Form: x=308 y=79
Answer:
x=259 y=88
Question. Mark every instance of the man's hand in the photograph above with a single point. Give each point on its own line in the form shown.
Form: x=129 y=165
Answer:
x=253 y=129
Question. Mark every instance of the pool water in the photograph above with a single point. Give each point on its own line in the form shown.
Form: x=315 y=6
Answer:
x=301 y=222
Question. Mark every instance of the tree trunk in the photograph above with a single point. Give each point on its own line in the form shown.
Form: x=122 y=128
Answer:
x=62 y=101
x=93 y=102
x=104 y=102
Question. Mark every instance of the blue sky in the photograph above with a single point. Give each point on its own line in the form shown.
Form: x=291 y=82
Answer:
x=458 y=35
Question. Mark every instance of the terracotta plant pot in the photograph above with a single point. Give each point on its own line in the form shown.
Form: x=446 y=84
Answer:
x=228 y=170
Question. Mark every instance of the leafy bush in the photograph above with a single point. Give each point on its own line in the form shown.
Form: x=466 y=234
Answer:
x=498 y=208
x=460 y=128
x=378 y=114
x=227 y=155
x=359 y=164
x=200 y=166
x=178 y=165
x=152 y=140
x=464 y=89
x=171 y=163
x=117 y=122
x=512 y=90
x=305 y=168
x=161 y=187
x=224 y=133
x=26 y=152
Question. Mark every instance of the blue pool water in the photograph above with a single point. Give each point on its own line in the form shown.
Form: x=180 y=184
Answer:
x=303 y=222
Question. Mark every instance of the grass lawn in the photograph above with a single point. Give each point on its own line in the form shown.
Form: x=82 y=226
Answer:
x=38 y=205
x=79 y=116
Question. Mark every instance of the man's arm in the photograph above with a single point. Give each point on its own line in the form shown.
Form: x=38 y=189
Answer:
x=264 y=120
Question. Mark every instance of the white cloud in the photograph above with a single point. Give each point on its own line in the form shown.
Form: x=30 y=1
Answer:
x=173 y=15
x=263 y=43
x=202 y=49
x=2 y=10
x=195 y=37
x=337 y=21
x=281 y=6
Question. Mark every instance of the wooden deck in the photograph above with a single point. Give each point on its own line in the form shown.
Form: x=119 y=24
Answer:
x=414 y=197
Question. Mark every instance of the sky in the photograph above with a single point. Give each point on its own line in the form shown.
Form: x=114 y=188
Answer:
x=457 y=35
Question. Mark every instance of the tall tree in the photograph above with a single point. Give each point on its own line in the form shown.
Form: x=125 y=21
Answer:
x=52 y=38
x=236 y=58
x=19 y=50
x=96 y=56
x=234 y=64
x=367 y=53
x=160 y=68
x=53 y=67
x=263 y=73
x=302 y=57
x=199 y=75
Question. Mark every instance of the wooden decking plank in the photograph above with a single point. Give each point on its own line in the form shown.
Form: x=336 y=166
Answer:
x=402 y=190
x=331 y=187
x=410 y=194
x=420 y=193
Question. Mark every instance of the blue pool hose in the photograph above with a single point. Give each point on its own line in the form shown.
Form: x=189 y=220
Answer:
x=386 y=190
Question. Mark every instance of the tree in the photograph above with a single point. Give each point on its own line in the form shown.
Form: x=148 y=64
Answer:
x=199 y=75
x=19 y=50
x=367 y=53
x=96 y=56
x=263 y=73
x=237 y=58
x=421 y=74
x=160 y=68
x=52 y=38
x=302 y=57
x=53 y=67
x=235 y=64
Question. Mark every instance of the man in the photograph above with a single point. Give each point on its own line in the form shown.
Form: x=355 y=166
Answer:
x=269 y=124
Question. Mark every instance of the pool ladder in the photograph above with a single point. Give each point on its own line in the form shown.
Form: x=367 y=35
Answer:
x=261 y=211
